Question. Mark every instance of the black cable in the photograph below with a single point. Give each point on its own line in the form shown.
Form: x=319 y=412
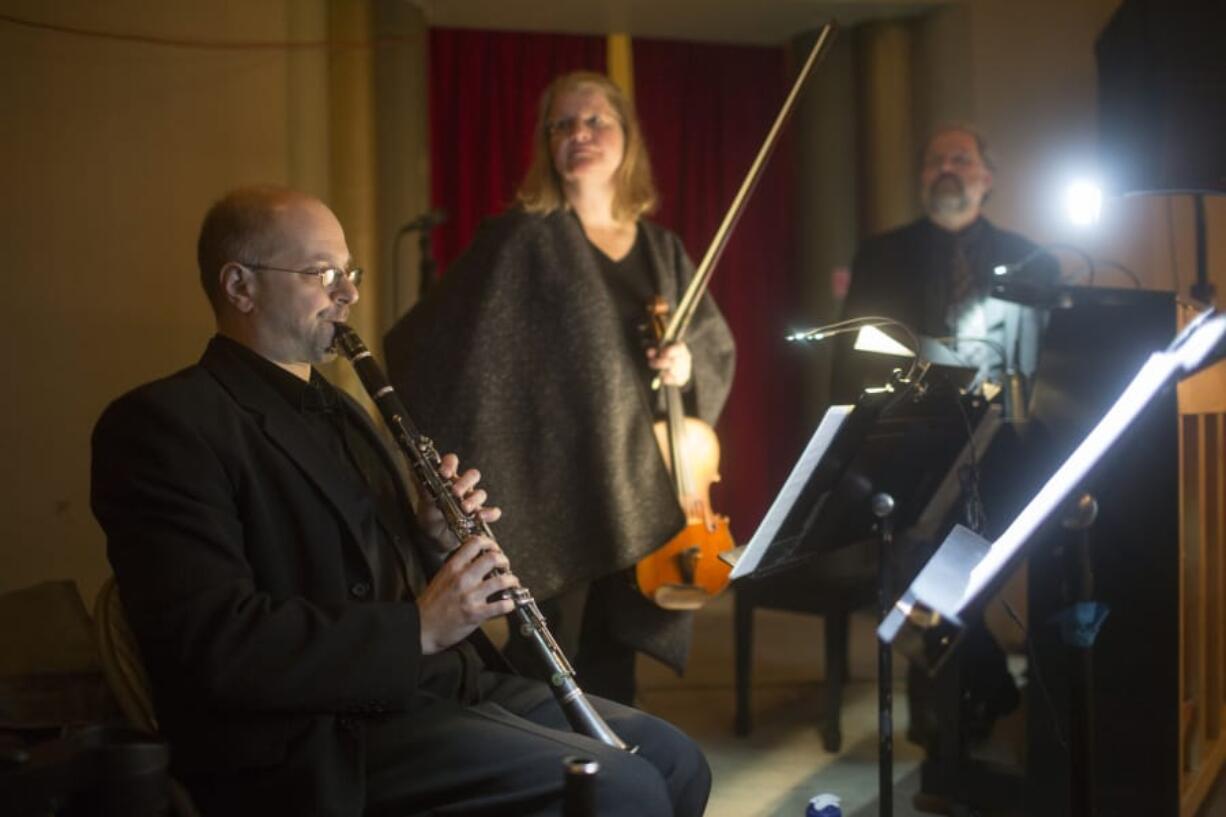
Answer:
x=1172 y=253
x=1085 y=257
x=975 y=512
x=1038 y=677
x=1136 y=279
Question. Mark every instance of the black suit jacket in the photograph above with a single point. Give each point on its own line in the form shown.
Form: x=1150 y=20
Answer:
x=902 y=274
x=234 y=540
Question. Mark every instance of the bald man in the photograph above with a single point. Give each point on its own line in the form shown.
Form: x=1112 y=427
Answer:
x=313 y=648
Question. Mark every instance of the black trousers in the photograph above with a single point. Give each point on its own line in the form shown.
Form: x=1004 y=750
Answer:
x=502 y=756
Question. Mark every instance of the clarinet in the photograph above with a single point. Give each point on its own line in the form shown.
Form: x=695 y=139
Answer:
x=423 y=458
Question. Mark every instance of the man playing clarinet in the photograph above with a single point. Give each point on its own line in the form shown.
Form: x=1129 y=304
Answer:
x=312 y=644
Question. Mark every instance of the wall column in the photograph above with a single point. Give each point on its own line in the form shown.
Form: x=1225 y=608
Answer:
x=826 y=199
x=402 y=157
x=352 y=179
x=887 y=138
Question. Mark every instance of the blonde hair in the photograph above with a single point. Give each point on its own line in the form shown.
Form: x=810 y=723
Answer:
x=634 y=192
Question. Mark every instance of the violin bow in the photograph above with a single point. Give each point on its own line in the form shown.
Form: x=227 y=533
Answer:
x=686 y=307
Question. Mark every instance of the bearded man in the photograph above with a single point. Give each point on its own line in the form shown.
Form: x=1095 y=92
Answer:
x=935 y=274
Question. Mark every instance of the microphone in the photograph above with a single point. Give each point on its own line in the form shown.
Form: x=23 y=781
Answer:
x=426 y=221
x=1002 y=270
x=423 y=224
x=1043 y=249
x=1008 y=284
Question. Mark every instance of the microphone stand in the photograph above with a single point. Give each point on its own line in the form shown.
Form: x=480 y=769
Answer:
x=423 y=225
x=425 y=263
x=1202 y=289
x=882 y=506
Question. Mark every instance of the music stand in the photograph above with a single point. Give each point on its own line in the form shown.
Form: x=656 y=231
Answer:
x=893 y=462
x=926 y=622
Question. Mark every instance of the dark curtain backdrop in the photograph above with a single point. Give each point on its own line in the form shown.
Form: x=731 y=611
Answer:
x=484 y=90
x=705 y=110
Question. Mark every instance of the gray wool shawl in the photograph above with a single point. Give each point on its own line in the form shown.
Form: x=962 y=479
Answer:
x=518 y=362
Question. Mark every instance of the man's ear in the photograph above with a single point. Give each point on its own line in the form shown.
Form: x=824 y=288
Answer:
x=237 y=286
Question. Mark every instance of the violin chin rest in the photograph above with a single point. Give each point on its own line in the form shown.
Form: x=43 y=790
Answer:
x=681 y=597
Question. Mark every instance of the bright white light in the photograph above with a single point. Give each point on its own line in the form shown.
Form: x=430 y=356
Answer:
x=1083 y=202
x=872 y=339
x=1000 y=269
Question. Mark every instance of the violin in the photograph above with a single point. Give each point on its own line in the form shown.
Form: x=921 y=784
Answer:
x=686 y=572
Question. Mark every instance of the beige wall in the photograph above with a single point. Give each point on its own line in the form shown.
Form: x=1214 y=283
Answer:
x=1024 y=73
x=1034 y=92
x=112 y=151
x=827 y=200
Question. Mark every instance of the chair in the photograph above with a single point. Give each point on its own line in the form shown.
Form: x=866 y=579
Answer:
x=121 y=661
x=125 y=674
x=832 y=586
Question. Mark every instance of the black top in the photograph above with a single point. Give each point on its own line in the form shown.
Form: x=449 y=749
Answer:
x=632 y=287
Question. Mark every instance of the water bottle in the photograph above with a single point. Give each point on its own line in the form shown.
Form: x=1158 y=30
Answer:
x=824 y=805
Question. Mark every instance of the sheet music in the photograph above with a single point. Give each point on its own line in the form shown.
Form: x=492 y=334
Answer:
x=786 y=498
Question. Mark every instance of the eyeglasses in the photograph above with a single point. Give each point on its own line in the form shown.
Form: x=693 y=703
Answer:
x=328 y=276
x=568 y=126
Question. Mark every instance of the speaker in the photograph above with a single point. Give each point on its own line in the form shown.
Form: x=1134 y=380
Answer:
x=1162 y=107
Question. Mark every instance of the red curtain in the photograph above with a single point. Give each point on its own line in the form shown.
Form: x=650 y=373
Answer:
x=484 y=90
x=705 y=110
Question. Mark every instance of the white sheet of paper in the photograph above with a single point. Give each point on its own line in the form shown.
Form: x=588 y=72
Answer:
x=778 y=511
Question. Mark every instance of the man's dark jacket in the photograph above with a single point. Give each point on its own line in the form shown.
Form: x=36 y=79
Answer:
x=234 y=541
x=903 y=274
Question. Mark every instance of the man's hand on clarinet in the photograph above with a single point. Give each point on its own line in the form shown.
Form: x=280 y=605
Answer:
x=457 y=599
x=472 y=500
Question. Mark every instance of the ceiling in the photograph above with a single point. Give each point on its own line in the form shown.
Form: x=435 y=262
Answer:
x=760 y=22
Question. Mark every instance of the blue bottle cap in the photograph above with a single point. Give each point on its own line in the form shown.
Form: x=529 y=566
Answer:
x=824 y=805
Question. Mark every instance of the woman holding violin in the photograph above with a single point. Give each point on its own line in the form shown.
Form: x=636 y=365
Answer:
x=531 y=359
